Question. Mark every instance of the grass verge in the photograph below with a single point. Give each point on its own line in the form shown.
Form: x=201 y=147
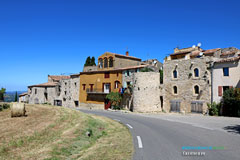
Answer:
x=53 y=133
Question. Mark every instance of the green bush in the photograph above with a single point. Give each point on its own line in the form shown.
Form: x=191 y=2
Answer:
x=114 y=98
x=6 y=106
x=213 y=109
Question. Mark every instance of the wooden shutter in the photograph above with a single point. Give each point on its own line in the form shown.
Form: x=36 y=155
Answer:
x=103 y=87
x=220 y=91
x=109 y=87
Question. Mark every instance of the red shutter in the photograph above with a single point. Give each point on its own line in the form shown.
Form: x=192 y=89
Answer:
x=220 y=91
x=103 y=87
x=109 y=87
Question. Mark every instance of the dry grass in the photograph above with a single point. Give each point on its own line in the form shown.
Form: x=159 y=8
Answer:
x=59 y=133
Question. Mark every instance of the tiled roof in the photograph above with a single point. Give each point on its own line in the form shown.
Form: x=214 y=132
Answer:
x=124 y=56
x=229 y=52
x=47 y=84
x=194 y=53
x=119 y=69
x=23 y=94
x=210 y=51
x=228 y=60
x=58 y=78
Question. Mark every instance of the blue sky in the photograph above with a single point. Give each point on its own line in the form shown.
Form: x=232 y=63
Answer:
x=41 y=37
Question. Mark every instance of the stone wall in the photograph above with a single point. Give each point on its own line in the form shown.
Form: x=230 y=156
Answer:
x=122 y=62
x=37 y=96
x=146 y=92
x=69 y=92
x=185 y=83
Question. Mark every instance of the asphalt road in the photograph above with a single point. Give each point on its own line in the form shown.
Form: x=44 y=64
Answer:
x=160 y=139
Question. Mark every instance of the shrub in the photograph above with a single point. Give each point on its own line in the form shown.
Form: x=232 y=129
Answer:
x=213 y=109
x=115 y=99
x=6 y=106
x=146 y=69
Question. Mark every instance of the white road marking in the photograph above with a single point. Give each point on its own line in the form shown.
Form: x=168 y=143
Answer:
x=117 y=120
x=139 y=142
x=129 y=126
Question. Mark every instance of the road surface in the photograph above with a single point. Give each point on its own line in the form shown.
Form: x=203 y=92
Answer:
x=161 y=138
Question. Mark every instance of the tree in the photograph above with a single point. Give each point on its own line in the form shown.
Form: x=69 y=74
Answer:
x=2 y=92
x=93 y=61
x=16 y=97
x=146 y=69
x=115 y=99
x=88 y=61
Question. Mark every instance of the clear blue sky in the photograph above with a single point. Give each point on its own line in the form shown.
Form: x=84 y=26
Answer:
x=41 y=37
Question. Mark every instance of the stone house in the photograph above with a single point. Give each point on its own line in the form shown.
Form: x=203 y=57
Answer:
x=194 y=77
x=68 y=92
x=186 y=81
x=42 y=93
x=23 y=98
x=45 y=92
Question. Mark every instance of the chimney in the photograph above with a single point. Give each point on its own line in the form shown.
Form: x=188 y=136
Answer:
x=127 y=53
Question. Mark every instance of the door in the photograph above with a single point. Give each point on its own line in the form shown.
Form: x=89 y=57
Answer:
x=106 y=87
x=175 y=105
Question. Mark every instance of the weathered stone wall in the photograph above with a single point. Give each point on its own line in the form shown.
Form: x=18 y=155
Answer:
x=90 y=68
x=146 y=92
x=185 y=83
x=121 y=62
x=36 y=95
x=69 y=92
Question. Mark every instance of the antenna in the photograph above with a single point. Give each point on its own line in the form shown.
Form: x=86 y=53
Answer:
x=199 y=44
x=193 y=46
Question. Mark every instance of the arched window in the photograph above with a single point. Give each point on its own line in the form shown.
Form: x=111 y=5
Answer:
x=117 y=84
x=100 y=63
x=105 y=62
x=110 y=61
x=175 y=89
x=175 y=74
x=196 y=72
x=196 y=89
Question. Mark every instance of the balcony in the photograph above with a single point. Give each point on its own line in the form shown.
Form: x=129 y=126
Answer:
x=96 y=91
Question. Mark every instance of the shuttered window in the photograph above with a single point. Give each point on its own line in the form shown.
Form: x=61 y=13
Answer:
x=220 y=91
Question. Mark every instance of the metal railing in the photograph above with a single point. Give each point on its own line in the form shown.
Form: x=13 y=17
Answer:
x=98 y=90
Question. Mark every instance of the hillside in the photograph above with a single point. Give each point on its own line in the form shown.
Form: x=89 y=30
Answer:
x=50 y=132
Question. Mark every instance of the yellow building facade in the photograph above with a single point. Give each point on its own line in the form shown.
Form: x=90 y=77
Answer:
x=106 y=78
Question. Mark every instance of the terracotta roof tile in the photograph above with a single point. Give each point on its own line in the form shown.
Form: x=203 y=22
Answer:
x=210 y=51
x=58 y=78
x=47 y=84
x=228 y=60
x=229 y=52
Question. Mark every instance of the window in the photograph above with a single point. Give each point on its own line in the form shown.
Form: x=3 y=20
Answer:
x=225 y=88
x=75 y=84
x=110 y=62
x=35 y=91
x=65 y=92
x=65 y=83
x=117 y=74
x=107 y=75
x=174 y=74
x=196 y=72
x=225 y=71
x=116 y=84
x=175 y=89
x=91 y=87
x=196 y=89
x=84 y=86
x=100 y=63
x=128 y=73
x=105 y=62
